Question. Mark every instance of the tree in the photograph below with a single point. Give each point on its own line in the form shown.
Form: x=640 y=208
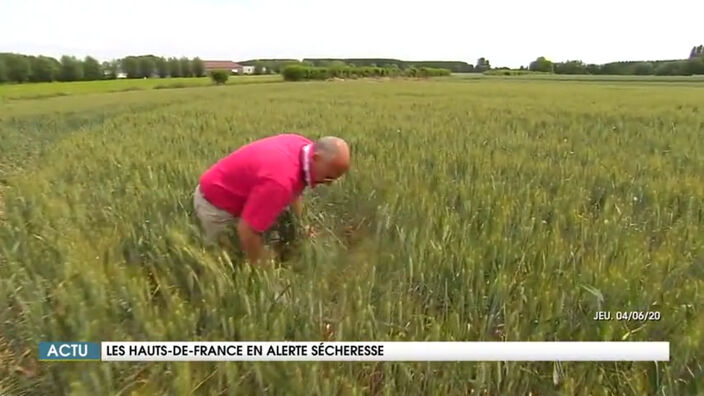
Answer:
x=110 y=69
x=146 y=66
x=44 y=69
x=174 y=68
x=3 y=71
x=162 y=67
x=482 y=65
x=695 y=65
x=131 y=66
x=71 y=69
x=593 y=69
x=675 y=68
x=696 y=52
x=644 y=69
x=198 y=67
x=91 y=69
x=615 y=68
x=185 y=67
x=541 y=65
x=18 y=68
x=570 y=67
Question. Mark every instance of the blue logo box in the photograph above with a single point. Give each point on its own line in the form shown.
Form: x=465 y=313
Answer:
x=69 y=351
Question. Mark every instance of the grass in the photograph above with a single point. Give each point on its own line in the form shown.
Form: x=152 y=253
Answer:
x=537 y=76
x=482 y=210
x=46 y=90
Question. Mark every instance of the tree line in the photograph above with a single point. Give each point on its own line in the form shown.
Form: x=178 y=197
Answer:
x=682 y=67
x=302 y=72
x=26 y=68
x=277 y=65
x=693 y=65
x=20 y=68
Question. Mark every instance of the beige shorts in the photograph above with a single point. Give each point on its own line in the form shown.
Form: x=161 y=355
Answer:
x=213 y=220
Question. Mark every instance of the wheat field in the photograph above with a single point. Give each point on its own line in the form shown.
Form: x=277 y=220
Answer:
x=476 y=210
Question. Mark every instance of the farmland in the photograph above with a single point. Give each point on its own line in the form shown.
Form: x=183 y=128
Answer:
x=476 y=209
x=47 y=90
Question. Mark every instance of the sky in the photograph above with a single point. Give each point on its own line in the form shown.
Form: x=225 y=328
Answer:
x=509 y=33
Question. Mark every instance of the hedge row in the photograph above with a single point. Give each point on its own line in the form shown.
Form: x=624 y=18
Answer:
x=300 y=73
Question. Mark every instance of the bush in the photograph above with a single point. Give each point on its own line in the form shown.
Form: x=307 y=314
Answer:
x=219 y=76
x=295 y=73
x=300 y=72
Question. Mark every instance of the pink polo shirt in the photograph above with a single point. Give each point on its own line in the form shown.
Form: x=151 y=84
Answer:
x=259 y=180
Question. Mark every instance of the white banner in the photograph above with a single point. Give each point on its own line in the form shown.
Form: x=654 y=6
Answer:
x=385 y=351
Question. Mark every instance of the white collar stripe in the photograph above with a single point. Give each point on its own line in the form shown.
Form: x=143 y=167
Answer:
x=306 y=164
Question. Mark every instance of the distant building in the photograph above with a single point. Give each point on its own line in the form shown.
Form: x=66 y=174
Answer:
x=118 y=74
x=248 y=69
x=234 y=68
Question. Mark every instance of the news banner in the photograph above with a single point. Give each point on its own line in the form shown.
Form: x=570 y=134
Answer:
x=128 y=351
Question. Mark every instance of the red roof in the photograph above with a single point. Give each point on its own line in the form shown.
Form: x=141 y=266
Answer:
x=226 y=65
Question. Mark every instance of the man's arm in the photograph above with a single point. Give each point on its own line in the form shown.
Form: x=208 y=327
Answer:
x=297 y=206
x=263 y=206
x=251 y=242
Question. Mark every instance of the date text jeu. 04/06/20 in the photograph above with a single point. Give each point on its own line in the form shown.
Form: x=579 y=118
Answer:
x=627 y=315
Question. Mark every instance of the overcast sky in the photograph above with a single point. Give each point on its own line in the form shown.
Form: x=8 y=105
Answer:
x=507 y=32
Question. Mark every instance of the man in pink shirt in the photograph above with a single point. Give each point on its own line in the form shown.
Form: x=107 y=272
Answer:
x=253 y=185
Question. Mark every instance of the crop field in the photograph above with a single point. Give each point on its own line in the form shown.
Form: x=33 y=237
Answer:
x=550 y=77
x=475 y=210
x=52 y=89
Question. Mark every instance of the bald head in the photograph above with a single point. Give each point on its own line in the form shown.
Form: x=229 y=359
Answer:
x=331 y=159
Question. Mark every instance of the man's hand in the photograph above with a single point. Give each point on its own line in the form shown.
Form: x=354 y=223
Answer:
x=310 y=231
x=251 y=242
x=297 y=206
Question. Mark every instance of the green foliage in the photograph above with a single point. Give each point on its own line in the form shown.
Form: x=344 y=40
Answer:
x=71 y=69
x=162 y=67
x=17 y=66
x=541 y=65
x=186 y=67
x=593 y=69
x=490 y=210
x=570 y=67
x=220 y=76
x=175 y=68
x=509 y=72
x=91 y=69
x=669 y=69
x=453 y=66
x=643 y=69
x=44 y=69
x=3 y=70
x=295 y=73
x=483 y=65
x=198 y=67
x=110 y=69
x=147 y=67
x=300 y=72
x=130 y=65
x=695 y=65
